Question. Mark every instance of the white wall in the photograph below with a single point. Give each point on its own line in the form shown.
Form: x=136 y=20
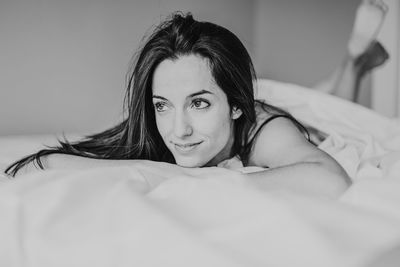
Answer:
x=301 y=41
x=63 y=63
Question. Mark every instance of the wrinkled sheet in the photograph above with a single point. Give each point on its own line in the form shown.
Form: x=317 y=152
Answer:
x=120 y=217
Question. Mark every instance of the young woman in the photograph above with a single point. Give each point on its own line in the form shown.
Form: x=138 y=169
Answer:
x=190 y=104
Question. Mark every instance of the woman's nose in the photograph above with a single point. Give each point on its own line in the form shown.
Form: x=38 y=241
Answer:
x=182 y=126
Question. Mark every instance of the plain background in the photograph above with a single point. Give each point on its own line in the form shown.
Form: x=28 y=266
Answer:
x=63 y=63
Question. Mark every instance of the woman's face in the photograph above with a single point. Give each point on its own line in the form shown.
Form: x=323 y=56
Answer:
x=192 y=113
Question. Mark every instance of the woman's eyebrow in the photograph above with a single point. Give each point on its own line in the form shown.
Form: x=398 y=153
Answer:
x=189 y=96
x=160 y=97
x=200 y=93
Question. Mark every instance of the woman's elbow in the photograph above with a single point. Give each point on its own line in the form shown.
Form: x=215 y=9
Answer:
x=338 y=178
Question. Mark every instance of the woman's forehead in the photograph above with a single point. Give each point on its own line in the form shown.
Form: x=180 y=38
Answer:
x=185 y=75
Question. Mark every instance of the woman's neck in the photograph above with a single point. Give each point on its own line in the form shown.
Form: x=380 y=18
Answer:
x=224 y=154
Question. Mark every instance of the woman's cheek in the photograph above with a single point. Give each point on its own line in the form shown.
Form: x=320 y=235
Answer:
x=212 y=122
x=162 y=125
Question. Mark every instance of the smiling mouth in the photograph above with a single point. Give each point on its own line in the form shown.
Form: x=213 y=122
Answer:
x=184 y=148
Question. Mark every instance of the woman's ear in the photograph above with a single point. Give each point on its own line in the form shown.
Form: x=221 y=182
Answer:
x=236 y=113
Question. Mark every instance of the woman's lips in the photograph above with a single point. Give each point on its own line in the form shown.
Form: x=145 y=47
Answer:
x=187 y=147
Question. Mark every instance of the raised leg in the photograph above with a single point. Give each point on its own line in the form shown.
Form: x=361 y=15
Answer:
x=368 y=21
x=363 y=52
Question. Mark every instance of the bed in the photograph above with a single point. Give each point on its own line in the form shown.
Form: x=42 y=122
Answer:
x=116 y=217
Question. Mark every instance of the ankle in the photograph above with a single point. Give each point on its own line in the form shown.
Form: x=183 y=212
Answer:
x=373 y=57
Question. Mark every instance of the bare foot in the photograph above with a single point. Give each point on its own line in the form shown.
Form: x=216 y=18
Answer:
x=369 y=18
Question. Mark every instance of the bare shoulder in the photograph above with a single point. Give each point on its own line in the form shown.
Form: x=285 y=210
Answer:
x=279 y=143
x=262 y=115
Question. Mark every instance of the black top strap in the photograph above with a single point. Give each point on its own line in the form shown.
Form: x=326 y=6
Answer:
x=267 y=121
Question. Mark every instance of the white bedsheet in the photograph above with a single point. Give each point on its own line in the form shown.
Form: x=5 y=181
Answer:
x=112 y=217
x=116 y=217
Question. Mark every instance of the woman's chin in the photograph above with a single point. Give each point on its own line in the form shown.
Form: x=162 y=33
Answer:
x=189 y=163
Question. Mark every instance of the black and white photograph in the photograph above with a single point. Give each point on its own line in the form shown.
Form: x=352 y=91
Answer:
x=226 y=133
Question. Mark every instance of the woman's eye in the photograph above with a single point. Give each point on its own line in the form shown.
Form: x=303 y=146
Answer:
x=160 y=106
x=200 y=104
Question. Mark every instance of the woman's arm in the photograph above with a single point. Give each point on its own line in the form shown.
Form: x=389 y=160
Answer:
x=310 y=178
x=294 y=163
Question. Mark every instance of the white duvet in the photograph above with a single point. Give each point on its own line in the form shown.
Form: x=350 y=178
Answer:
x=121 y=217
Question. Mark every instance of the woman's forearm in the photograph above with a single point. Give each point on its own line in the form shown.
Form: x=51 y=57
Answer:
x=305 y=178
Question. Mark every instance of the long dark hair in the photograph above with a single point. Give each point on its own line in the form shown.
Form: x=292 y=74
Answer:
x=137 y=137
